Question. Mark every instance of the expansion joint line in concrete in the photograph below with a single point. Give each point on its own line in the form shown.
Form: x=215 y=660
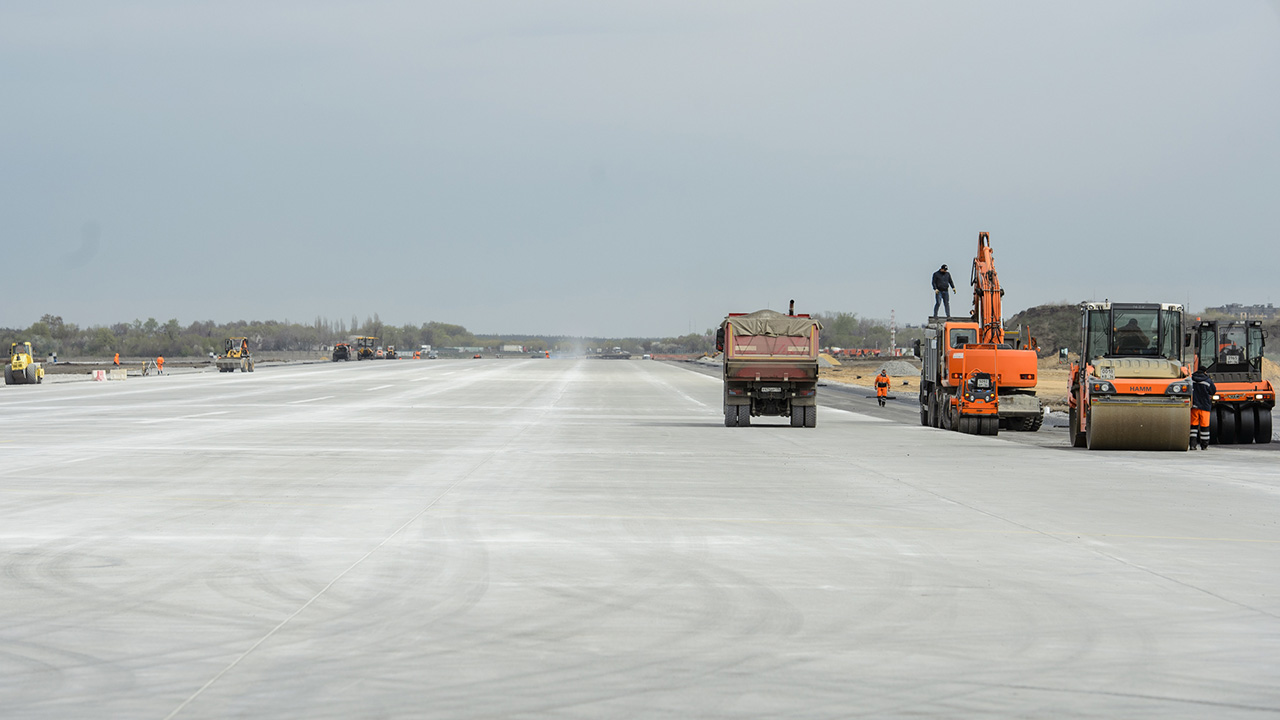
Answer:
x=271 y=633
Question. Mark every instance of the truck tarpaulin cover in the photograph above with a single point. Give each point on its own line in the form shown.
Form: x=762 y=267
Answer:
x=772 y=324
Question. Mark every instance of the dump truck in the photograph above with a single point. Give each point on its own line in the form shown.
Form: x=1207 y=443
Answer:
x=342 y=352
x=1129 y=389
x=959 y=378
x=1231 y=352
x=770 y=367
x=366 y=347
x=22 y=368
x=235 y=356
x=1016 y=365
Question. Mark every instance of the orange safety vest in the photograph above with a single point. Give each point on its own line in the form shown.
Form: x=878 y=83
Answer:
x=882 y=385
x=160 y=361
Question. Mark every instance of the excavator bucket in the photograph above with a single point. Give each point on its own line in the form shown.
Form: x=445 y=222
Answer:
x=1138 y=426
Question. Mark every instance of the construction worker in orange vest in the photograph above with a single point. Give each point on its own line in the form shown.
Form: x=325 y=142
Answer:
x=117 y=360
x=882 y=387
x=160 y=365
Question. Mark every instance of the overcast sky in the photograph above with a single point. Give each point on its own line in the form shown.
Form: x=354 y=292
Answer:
x=629 y=168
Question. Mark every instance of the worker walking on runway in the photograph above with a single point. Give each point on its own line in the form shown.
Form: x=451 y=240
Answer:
x=941 y=280
x=882 y=387
x=160 y=365
x=1202 y=391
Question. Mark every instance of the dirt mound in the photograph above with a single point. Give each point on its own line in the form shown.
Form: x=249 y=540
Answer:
x=898 y=368
x=1270 y=372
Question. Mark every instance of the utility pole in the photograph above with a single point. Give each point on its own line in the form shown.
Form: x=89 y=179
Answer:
x=893 y=335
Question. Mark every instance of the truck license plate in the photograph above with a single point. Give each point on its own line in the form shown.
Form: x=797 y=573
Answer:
x=770 y=389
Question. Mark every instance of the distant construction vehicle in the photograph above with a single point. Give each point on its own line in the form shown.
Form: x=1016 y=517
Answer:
x=235 y=356
x=770 y=366
x=1129 y=389
x=366 y=347
x=976 y=377
x=1231 y=352
x=391 y=353
x=22 y=368
x=342 y=352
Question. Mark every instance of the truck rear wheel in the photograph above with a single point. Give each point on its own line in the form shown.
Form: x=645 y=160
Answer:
x=731 y=416
x=811 y=416
x=744 y=416
x=1262 y=433
x=797 y=416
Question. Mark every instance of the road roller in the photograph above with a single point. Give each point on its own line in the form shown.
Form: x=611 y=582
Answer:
x=1129 y=389
x=1231 y=352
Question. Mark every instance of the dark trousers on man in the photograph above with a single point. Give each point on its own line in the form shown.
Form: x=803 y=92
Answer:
x=941 y=297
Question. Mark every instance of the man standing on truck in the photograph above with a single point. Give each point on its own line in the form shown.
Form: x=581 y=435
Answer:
x=882 y=387
x=1202 y=391
x=942 y=279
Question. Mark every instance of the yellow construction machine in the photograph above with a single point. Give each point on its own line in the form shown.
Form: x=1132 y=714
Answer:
x=22 y=368
x=366 y=347
x=236 y=356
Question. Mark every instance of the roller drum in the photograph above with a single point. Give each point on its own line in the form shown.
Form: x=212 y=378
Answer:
x=1138 y=426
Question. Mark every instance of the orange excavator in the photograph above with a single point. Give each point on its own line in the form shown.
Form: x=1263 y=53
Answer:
x=1015 y=354
x=975 y=376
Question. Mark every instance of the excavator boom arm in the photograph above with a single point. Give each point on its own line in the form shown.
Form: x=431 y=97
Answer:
x=987 y=293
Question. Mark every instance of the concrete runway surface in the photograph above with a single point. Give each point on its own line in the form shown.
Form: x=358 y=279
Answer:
x=584 y=539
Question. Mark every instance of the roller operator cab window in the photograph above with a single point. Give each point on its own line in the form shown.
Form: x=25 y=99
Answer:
x=1208 y=348
x=1231 y=346
x=1255 y=347
x=1135 y=332
x=1170 y=334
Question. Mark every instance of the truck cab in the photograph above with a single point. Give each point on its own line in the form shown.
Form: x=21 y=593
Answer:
x=959 y=378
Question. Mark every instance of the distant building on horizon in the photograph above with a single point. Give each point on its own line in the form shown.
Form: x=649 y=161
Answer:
x=1257 y=312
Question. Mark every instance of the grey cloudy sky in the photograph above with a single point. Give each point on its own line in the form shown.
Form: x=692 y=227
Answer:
x=629 y=168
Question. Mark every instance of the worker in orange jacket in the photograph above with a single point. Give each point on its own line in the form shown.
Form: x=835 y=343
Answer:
x=882 y=387
x=160 y=365
x=117 y=360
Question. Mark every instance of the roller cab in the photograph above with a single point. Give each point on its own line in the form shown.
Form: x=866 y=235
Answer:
x=22 y=368
x=1130 y=390
x=1231 y=353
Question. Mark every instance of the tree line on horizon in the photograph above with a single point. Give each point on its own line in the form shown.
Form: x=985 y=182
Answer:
x=148 y=338
x=1054 y=325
